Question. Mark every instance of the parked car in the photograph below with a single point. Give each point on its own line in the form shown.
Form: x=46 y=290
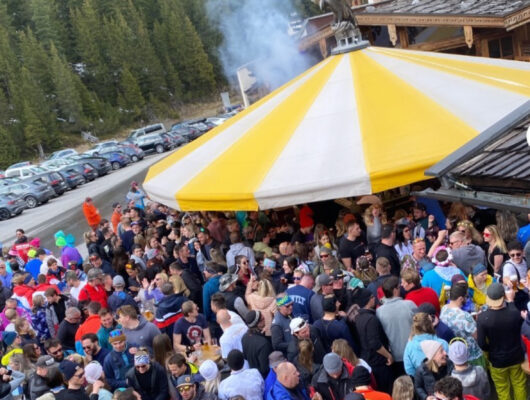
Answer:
x=100 y=146
x=117 y=159
x=71 y=176
x=32 y=193
x=156 y=143
x=178 y=138
x=217 y=120
x=100 y=164
x=185 y=131
x=53 y=178
x=11 y=205
x=132 y=151
x=81 y=166
x=147 y=130
x=24 y=172
x=2 y=174
x=20 y=164
x=62 y=153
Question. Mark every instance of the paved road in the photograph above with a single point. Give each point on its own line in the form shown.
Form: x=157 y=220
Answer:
x=65 y=212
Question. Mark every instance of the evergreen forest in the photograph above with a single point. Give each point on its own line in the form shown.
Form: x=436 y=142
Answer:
x=68 y=66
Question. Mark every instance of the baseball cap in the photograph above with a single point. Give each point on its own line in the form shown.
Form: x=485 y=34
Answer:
x=185 y=380
x=297 y=324
x=69 y=368
x=495 y=295
x=46 y=361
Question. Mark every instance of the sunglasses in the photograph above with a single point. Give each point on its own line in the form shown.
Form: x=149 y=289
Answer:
x=516 y=255
x=486 y=234
x=297 y=278
x=139 y=367
x=59 y=350
x=79 y=376
x=183 y=389
x=324 y=255
x=93 y=258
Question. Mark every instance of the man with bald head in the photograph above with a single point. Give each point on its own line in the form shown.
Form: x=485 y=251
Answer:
x=232 y=333
x=287 y=384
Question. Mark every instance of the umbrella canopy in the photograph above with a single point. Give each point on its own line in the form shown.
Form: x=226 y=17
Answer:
x=354 y=124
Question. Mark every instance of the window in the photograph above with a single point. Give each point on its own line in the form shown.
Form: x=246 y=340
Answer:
x=501 y=48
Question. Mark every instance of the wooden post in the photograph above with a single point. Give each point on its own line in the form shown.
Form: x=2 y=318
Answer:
x=392 y=34
x=403 y=37
x=468 y=34
x=323 y=47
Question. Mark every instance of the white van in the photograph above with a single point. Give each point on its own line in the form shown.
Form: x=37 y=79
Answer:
x=24 y=172
x=146 y=130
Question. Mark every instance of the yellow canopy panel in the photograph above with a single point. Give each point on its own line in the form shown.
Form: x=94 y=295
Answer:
x=354 y=124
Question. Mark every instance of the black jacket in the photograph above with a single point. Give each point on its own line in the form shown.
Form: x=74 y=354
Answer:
x=319 y=350
x=425 y=379
x=158 y=388
x=194 y=286
x=371 y=337
x=390 y=253
x=332 y=389
x=256 y=348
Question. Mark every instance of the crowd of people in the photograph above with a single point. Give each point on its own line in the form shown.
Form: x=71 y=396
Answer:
x=428 y=303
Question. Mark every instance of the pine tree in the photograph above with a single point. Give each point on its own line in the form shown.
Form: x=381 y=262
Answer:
x=9 y=152
x=67 y=99
x=130 y=98
x=44 y=19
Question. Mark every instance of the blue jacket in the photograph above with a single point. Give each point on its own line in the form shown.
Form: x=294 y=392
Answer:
x=210 y=287
x=279 y=392
x=414 y=355
x=115 y=368
x=270 y=380
x=301 y=297
x=118 y=299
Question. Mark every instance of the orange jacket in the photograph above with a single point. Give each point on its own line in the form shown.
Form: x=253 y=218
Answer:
x=91 y=325
x=115 y=220
x=91 y=214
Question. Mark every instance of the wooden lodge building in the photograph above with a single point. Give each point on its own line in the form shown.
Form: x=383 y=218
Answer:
x=487 y=28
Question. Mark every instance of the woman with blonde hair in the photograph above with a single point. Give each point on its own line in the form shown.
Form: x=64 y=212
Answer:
x=403 y=388
x=496 y=251
x=344 y=350
x=471 y=235
x=304 y=362
x=260 y=296
x=374 y=219
x=422 y=329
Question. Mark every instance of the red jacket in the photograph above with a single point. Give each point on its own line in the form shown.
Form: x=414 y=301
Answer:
x=91 y=325
x=91 y=293
x=24 y=294
x=424 y=295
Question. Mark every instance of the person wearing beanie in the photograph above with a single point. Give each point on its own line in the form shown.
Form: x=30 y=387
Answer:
x=119 y=297
x=210 y=372
x=280 y=331
x=93 y=374
x=362 y=379
x=461 y=322
x=74 y=376
x=148 y=378
x=479 y=281
x=256 y=346
x=498 y=333
x=118 y=361
x=473 y=377
x=375 y=348
x=246 y=382
x=435 y=367
x=287 y=384
x=332 y=380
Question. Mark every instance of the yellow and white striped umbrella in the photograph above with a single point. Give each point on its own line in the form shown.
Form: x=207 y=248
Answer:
x=354 y=124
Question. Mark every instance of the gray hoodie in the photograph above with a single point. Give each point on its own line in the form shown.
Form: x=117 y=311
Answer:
x=466 y=257
x=474 y=380
x=143 y=335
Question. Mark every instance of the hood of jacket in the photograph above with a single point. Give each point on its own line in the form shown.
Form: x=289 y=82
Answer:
x=468 y=377
x=237 y=247
x=170 y=304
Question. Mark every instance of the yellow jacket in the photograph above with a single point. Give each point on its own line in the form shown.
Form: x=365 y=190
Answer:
x=7 y=356
x=479 y=298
